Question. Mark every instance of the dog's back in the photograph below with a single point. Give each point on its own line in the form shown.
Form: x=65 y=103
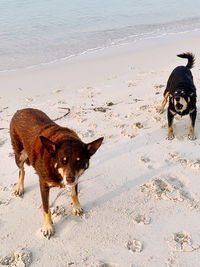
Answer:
x=25 y=128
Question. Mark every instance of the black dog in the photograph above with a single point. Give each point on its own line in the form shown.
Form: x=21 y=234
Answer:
x=182 y=95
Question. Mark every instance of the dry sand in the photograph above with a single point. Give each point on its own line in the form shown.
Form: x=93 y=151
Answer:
x=141 y=193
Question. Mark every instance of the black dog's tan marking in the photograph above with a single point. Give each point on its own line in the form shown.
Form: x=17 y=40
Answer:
x=57 y=154
x=181 y=92
x=164 y=102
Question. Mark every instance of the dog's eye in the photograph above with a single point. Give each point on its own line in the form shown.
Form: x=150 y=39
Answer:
x=64 y=160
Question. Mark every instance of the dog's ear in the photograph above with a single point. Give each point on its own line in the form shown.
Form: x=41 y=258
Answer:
x=49 y=145
x=93 y=146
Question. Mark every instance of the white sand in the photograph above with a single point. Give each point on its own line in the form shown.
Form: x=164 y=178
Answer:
x=141 y=193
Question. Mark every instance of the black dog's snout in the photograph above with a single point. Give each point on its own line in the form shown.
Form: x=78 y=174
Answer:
x=177 y=98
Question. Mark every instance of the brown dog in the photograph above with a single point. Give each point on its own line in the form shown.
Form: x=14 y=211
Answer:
x=56 y=153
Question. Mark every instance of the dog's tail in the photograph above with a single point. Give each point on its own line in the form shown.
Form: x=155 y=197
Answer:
x=190 y=57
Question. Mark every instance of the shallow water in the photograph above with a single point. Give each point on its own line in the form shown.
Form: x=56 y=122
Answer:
x=34 y=32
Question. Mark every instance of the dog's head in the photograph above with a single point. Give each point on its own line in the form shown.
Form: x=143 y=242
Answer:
x=70 y=158
x=180 y=100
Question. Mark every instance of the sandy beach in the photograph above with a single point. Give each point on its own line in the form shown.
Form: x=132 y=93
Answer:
x=141 y=194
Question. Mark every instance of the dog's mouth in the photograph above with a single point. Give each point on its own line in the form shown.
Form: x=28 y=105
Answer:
x=179 y=106
x=67 y=183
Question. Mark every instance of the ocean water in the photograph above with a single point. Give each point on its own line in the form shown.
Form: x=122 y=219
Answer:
x=34 y=32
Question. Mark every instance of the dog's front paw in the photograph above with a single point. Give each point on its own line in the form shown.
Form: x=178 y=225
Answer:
x=47 y=231
x=191 y=137
x=18 y=192
x=170 y=137
x=160 y=110
x=77 y=210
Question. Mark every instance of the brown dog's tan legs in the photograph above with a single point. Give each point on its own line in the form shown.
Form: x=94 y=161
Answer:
x=47 y=228
x=164 y=103
x=19 y=191
x=76 y=207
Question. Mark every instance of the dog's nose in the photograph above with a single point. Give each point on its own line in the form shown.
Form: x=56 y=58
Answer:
x=70 y=179
x=177 y=98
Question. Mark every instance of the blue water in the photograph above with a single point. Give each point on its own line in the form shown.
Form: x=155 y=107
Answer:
x=33 y=32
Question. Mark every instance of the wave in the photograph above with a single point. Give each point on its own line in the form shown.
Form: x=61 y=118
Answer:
x=79 y=43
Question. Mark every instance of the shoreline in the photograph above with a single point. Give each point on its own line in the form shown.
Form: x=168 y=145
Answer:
x=93 y=68
x=113 y=50
x=96 y=69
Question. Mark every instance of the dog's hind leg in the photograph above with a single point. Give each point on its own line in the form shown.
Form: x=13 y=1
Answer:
x=20 y=163
x=170 y=117
x=191 y=134
x=76 y=207
x=164 y=102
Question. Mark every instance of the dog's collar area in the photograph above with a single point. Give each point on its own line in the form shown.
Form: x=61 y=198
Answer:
x=172 y=112
x=184 y=112
x=180 y=113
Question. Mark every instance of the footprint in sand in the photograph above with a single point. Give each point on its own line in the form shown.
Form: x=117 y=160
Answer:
x=143 y=107
x=89 y=133
x=150 y=109
x=146 y=160
x=126 y=130
x=134 y=246
x=172 y=262
x=158 y=88
x=157 y=119
x=181 y=242
x=22 y=257
x=159 y=188
x=8 y=196
x=173 y=155
x=137 y=125
x=193 y=164
x=141 y=219
x=58 y=211
x=131 y=84
x=5 y=202
x=2 y=142
x=11 y=154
